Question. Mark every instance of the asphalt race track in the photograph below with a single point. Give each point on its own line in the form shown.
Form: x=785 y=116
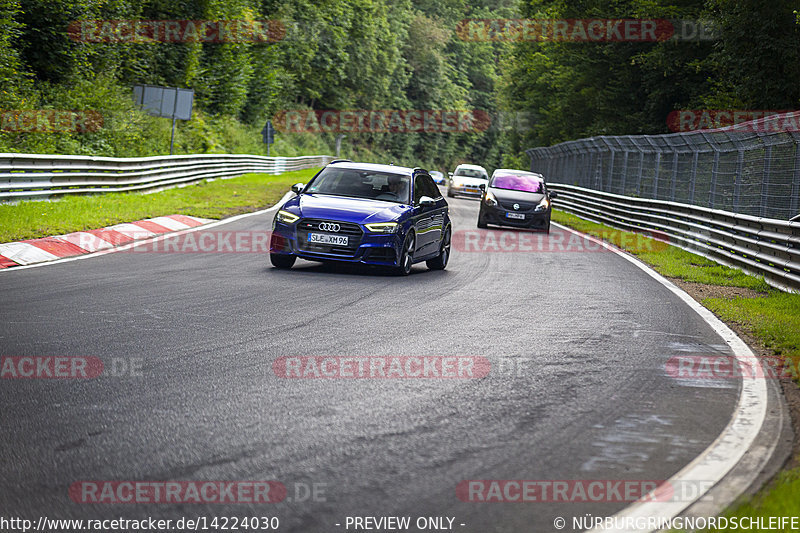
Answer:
x=577 y=339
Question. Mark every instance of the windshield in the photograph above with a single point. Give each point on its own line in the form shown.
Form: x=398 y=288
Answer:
x=362 y=184
x=471 y=173
x=515 y=182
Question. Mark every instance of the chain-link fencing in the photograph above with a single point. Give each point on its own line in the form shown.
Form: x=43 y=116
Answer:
x=751 y=168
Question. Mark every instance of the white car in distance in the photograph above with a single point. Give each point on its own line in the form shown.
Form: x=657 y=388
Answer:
x=466 y=180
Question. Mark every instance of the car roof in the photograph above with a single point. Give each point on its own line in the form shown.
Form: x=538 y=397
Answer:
x=373 y=166
x=473 y=167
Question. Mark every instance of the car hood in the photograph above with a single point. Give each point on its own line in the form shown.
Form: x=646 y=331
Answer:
x=357 y=210
x=505 y=195
x=472 y=182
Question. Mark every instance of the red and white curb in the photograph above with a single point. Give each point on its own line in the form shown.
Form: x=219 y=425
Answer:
x=85 y=242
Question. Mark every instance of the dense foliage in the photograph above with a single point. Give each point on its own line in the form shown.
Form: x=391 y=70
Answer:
x=749 y=60
x=385 y=54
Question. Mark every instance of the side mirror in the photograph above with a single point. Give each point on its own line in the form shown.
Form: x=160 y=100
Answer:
x=298 y=187
x=427 y=201
x=482 y=186
x=553 y=194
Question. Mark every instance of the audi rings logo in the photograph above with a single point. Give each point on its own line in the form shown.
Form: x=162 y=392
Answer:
x=329 y=226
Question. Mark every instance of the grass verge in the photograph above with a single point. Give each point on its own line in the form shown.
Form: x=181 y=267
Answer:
x=215 y=199
x=772 y=317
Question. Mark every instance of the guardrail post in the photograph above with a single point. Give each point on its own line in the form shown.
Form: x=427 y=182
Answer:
x=737 y=185
x=624 y=172
x=655 y=176
x=567 y=166
x=280 y=165
x=674 y=176
x=693 y=177
x=712 y=190
x=586 y=163
x=598 y=173
x=796 y=181
x=765 y=180
x=641 y=171
x=573 y=167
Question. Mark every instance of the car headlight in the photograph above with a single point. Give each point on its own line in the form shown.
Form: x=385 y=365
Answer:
x=489 y=199
x=286 y=217
x=383 y=227
x=543 y=205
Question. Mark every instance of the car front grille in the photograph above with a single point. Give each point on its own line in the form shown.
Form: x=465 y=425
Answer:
x=524 y=207
x=311 y=225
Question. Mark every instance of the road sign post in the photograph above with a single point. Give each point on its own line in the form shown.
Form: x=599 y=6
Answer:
x=339 y=143
x=268 y=135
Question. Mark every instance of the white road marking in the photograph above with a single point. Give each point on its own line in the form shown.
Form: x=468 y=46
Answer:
x=198 y=219
x=169 y=223
x=735 y=440
x=86 y=241
x=132 y=230
x=23 y=253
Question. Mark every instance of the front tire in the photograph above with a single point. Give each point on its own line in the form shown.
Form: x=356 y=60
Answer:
x=440 y=261
x=282 y=261
x=406 y=255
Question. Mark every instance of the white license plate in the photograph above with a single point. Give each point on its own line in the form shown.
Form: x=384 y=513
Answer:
x=325 y=238
x=518 y=216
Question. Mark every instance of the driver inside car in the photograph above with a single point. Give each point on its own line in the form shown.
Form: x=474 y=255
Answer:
x=396 y=186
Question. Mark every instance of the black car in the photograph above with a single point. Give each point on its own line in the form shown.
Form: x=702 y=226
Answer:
x=515 y=198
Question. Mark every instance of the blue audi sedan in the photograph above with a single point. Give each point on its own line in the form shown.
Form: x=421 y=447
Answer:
x=364 y=213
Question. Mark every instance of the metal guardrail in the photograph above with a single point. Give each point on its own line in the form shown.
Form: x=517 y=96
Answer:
x=38 y=176
x=764 y=247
